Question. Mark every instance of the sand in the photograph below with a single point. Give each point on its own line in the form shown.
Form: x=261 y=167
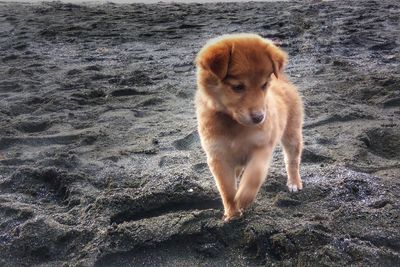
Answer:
x=100 y=160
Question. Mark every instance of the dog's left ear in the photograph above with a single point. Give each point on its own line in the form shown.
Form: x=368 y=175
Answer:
x=278 y=58
x=215 y=59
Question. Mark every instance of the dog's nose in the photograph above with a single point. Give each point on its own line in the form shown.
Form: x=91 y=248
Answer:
x=257 y=117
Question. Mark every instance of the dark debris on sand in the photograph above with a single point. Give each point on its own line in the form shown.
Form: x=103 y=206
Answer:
x=100 y=161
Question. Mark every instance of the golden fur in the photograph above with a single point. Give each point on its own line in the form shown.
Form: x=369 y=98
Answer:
x=245 y=106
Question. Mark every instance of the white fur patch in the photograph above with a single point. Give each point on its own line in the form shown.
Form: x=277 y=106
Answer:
x=294 y=188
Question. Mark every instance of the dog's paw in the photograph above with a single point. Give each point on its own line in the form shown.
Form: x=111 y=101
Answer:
x=294 y=187
x=228 y=217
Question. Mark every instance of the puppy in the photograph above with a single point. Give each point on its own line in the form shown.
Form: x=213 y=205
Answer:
x=244 y=107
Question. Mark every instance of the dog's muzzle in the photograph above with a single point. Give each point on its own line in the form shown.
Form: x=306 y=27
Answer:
x=257 y=117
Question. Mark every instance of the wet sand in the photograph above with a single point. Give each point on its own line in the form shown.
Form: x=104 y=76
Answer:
x=100 y=160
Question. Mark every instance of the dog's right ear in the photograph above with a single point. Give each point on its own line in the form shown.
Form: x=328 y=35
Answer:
x=278 y=58
x=215 y=59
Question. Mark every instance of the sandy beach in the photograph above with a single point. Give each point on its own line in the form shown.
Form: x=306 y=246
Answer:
x=100 y=160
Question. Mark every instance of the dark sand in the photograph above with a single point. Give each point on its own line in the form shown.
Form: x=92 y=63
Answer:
x=100 y=162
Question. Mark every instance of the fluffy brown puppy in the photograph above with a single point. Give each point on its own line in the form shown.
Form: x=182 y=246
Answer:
x=245 y=106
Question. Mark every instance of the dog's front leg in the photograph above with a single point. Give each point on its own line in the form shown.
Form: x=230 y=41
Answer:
x=224 y=175
x=253 y=177
x=292 y=148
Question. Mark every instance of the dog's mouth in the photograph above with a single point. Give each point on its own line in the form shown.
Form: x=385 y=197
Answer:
x=250 y=119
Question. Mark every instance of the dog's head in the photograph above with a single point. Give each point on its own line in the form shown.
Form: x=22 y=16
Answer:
x=235 y=71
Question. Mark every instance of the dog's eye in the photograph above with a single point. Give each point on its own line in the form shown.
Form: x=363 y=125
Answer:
x=264 y=86
x=238 y=87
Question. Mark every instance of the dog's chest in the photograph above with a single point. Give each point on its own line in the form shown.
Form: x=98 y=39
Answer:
x=242 y=145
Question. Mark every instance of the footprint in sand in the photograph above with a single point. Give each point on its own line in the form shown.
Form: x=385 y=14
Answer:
x=188 y=142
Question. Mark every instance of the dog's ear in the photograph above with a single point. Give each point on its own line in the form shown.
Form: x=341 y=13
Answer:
x=277 y=57
x=215 y=58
